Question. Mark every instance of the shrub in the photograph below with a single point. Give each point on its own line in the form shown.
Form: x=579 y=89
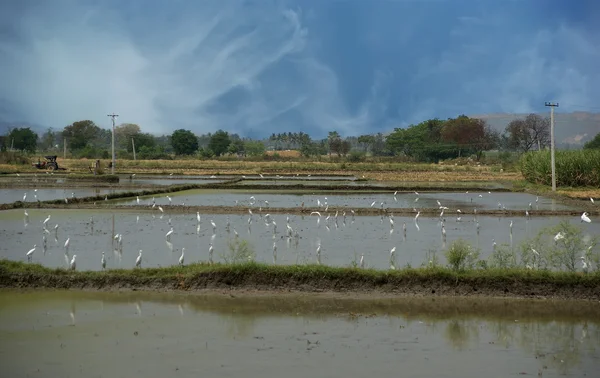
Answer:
x=240 y=251
x=461 y=256
x=503 y=257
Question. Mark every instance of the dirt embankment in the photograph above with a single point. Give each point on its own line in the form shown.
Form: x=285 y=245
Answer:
x=274 y=281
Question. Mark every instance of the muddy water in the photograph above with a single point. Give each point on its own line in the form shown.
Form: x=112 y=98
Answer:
x=76 y=334
x=281 y=198
x=384 y=184
x=341 y=245
x=12 y=195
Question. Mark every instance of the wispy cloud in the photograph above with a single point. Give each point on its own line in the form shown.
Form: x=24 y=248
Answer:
x=272 y=66
x=231 y=66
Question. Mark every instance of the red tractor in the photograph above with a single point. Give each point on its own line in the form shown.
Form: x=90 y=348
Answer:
x=50 y=164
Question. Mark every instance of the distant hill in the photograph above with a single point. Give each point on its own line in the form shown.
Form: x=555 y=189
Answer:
x=572 y=130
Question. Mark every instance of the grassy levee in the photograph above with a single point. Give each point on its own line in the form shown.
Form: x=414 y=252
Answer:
x=312 y=278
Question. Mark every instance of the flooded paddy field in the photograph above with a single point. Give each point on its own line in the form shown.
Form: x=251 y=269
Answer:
x=354 y=200
x=342 y=242
x=86 y=334
x=47 y=194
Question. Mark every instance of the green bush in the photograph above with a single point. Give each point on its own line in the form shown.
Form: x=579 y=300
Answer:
x=461 y=256
x=573 y=168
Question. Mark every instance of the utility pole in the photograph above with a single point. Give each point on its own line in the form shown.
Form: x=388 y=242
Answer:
x=112 y=169
x=552 y=106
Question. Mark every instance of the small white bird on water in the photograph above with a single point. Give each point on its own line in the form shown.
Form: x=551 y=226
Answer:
x=30 y=253
x=585 y=218
x=138 y=261
x=73 y=264
x=182 y=257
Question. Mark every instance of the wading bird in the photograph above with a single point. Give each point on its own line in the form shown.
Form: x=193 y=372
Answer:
x=30 y=253
x=138 y=261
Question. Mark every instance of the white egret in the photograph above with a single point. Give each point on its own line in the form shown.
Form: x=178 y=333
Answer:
x=168 y=235
x=67 y=243
x=210 y=252
x=170 y=200
x=30 y=253
x=182 y=257
x=47 y=220
x=585 y=218
x=138 y=261
x=591 y=199
x=214 y=226
x=137 y=199
x=198 y=218
x=559 y=236
x=73 y=264
x=161 y=209
x=24 y=197
x=362 y=260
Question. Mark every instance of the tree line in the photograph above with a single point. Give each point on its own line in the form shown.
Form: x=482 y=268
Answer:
x=431 y=140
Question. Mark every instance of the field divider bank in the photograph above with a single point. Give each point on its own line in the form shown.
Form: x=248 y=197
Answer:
x=517 y=283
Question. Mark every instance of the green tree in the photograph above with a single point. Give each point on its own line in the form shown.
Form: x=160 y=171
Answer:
x=142 y=140
x=423 y=142
x=237 y=147
x=184 y=142
x=123 y=134
x=81 y=133
x=23 y=139
x=334 y=141
x=48 y=140
x=219 y=142
x=254 y=148
x=594 y=143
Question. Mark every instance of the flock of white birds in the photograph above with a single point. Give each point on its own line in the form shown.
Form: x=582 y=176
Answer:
x=323 y=206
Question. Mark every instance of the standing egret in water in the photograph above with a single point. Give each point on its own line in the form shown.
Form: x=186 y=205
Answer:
x=168 y=235
x=393 y=258
x=73 y=264
x=274 y=252
x=362 y=260
x=511 y=227
x=198 y=218
x=138 y=261
x=30 y=253
x=46 y=220
x=103 y=261
x=210 y=253
x=182 y=257
x=67 y=243
x=170 y=200
x=214 y=226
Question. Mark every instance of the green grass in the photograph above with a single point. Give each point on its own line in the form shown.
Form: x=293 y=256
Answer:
x=580 y=168
x=317 y=277
x=94 y=178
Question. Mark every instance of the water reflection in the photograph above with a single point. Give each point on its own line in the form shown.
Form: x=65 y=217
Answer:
x=548 y=338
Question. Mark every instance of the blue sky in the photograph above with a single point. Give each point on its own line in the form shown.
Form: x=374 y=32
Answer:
x=261 y=66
